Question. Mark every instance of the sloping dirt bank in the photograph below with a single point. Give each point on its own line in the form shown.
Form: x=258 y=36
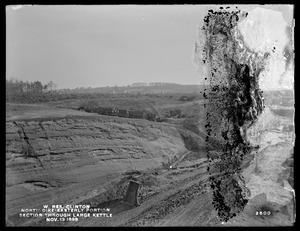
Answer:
x=60 y=161
x=90 y=159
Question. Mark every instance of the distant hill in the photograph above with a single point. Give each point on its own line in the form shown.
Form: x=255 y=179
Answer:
x=142 y=88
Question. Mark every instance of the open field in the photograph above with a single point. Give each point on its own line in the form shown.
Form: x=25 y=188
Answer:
x=39 y=112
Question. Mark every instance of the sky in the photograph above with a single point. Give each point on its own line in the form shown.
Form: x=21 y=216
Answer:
x=94 y=46
x=97 y=46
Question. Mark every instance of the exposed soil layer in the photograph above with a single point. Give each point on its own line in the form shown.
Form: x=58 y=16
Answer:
x=56 y=161
x=91 y=159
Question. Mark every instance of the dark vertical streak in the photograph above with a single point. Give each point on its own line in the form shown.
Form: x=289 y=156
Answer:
x=233 y=102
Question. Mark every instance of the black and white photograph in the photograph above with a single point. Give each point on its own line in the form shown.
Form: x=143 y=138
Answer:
x=150 y=115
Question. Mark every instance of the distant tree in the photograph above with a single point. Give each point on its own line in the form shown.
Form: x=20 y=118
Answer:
x=52 y=86
x=38 y=87
x=17 y=87
x=46 y=88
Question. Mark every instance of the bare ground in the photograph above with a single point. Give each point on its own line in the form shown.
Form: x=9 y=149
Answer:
x=79 y=158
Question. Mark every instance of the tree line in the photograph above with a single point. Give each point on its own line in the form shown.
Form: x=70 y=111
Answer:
x=29 y=91
x=15 y=86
